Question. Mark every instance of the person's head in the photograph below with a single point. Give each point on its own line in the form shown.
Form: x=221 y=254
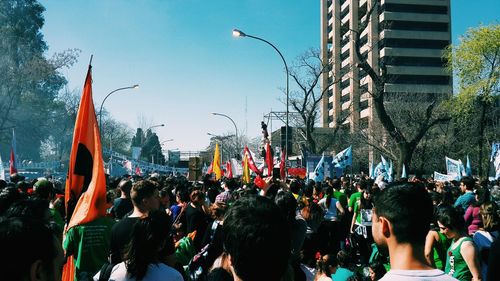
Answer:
x=125 y=185
x=467 y=184
x=287 y=204
x=377 y=270
x=255 y=237
x=30 y=208
x=165 y=195
x=451 y=221
x=218 y=210
x=343 y=258
x=489 y=215
x=145 y=195
x=44 y=189
x=327 y=264
x=150 y=239
x=402 y=213
x=482 y=195
x=30 y=250
x=197 y=197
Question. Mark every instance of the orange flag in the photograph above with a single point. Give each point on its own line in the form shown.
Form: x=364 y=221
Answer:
x=85 y=194
x=216 y=163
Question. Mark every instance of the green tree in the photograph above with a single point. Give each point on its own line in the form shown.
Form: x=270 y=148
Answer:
x=29 y=82
x=476 y=63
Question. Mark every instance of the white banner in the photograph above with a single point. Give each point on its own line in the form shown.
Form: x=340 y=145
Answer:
x=454 y=168
x=442 y=177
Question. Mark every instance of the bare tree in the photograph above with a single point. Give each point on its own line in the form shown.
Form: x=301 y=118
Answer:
x=306 y=72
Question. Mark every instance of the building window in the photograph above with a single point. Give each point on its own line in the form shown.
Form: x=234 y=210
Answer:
x=363 y=105
x=412 y=43
x=409 y=8
x=345 y=98
x=344 y=84
x=413 y=25
x=363 y=123
x=414 y=61
x=420 y=79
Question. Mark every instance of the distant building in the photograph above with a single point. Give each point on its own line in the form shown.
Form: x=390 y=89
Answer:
x=406 y=37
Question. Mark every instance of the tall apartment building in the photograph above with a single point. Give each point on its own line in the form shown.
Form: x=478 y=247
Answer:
x=408 y=37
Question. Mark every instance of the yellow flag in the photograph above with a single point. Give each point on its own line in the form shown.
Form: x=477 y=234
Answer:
x=246 y=170
x=216 y=165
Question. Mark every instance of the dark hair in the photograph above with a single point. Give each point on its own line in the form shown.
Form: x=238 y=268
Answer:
x=483 y=196
x=323 y=264
x=451 y=218
x=344 y=258
x=468 y=182
x=30 y=208
x=254 y=235
x=141 y=190
x=150 y=234
x=287 y=204
x=378 y=268
x=8 y=196
x=23 y=241
x=409 y=209
x=125 y=186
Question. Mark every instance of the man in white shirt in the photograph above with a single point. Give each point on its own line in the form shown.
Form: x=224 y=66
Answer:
x=401 y=217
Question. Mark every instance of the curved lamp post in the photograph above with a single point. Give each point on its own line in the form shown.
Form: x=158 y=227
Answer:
x=239 y=33
x=235 y=130
x=102 y=103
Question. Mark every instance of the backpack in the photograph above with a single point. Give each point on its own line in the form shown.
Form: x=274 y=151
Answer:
x=105 y=271
x=198 y=265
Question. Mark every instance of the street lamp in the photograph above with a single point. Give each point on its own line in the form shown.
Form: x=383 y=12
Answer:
x=235 y=130
x=119 y=89
x=239 y=33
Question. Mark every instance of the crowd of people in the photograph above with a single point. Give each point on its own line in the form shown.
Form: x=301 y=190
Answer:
x=160 y=227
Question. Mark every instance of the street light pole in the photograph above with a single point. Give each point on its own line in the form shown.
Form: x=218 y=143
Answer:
x=239 y=33
x=235 y=130
x=102 y=103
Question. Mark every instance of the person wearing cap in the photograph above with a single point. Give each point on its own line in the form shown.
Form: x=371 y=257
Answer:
x=44 y=189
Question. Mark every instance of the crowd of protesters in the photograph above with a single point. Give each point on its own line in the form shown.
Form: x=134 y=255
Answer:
x=162 y=227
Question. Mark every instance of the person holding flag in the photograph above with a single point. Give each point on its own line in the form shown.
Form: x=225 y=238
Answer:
x=87 y=231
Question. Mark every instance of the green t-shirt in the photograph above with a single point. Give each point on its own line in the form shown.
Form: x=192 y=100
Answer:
x=89 y=244
x=56 y=217
x=352 y=200
x=455 y=263
x=341 y=197
x=440 y=249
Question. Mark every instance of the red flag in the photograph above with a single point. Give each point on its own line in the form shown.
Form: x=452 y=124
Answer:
x=269 y=160
x=283 y=164
x=229 y=170
x=251 y=163
x=85 y=194
x=12 y=167
x=210 y=168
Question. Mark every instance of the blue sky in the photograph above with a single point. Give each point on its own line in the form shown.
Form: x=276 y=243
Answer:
x=187 y=63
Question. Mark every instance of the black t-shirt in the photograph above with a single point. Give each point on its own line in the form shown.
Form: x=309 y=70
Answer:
x=197 y=220
x=121 y=207
x=121 y=234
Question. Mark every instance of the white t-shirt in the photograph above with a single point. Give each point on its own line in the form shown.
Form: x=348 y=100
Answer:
x=416 y=275
x=155 y=272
